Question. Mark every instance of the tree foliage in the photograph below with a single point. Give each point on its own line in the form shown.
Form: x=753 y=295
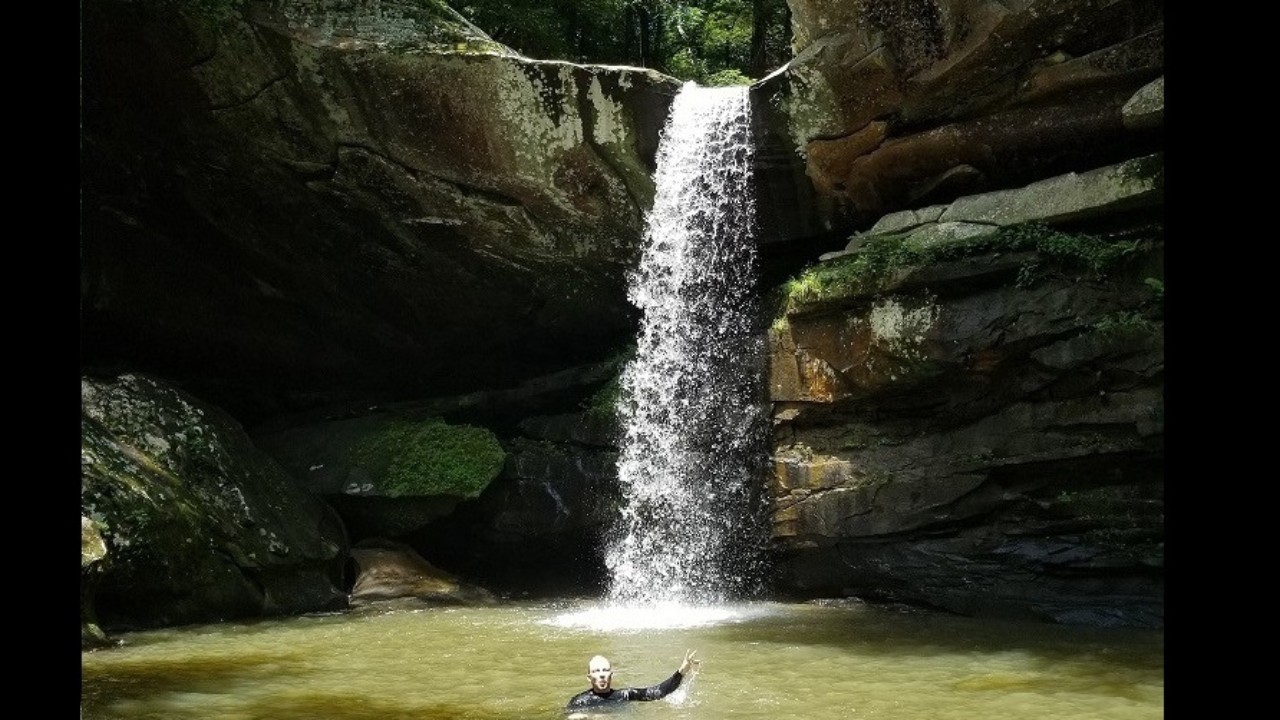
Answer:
x=715 y=42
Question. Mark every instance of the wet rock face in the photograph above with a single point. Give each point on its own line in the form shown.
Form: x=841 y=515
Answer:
x=893 y=104
x=289 y=207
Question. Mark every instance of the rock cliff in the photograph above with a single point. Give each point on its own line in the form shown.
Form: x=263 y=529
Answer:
x=292 y=204
x=969 y=406
x=894 y=104
x=333 y=214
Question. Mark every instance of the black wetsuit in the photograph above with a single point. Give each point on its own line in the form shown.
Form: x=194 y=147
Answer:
x=615 y=698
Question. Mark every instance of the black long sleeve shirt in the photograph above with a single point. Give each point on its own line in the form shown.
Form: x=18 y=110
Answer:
x=593 y=699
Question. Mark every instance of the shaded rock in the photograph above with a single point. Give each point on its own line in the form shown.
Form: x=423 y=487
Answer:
x=541 y=514
x=546 y=517
x=333 y=187
x=592 y=429
x=198 y=524
x=389 y=473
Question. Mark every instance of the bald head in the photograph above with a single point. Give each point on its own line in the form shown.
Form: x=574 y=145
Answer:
x=599 y=673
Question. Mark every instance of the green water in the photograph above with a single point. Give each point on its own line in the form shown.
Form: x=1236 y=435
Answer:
x=524 y=661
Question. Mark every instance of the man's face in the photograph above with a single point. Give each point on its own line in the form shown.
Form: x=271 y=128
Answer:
x=601 y=674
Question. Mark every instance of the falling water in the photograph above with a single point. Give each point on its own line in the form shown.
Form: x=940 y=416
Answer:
x=689 y=529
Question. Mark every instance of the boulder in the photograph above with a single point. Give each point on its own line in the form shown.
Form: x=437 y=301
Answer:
x=388 y=570
x=194 y=522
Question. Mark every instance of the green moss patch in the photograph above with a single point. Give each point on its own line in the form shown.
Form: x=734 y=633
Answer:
x=1124 y=324
x=603 y=404
x=886 y=254
x=430 y=457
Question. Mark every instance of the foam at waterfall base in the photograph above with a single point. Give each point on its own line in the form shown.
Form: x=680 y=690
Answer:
x=655 y=616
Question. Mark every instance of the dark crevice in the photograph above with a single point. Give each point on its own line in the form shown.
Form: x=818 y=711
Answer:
x=254 y=96
x=470 y=191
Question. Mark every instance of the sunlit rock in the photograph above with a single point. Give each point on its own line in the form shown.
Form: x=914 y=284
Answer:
x=893 y=104
x=93 y=560
x=388 y=570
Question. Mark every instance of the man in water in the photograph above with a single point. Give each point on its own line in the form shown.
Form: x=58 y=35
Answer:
x=603 y=696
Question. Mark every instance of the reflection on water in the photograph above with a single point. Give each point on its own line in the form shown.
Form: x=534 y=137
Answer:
x=523 y=662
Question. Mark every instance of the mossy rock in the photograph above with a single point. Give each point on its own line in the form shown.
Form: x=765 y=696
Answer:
x=429 y=457
x=185 y=521
x=885 y=261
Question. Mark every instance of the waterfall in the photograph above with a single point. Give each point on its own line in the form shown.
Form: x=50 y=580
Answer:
x=689 y=527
